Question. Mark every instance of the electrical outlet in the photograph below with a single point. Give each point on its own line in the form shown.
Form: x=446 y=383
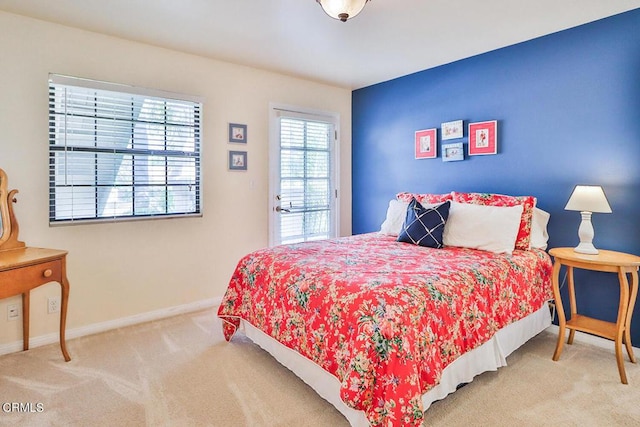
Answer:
x=53 y=305
x=13 y=313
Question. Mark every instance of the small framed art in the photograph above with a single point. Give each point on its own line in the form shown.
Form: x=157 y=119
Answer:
x=237 y=133
x=426 y=144
x=452 y=152
x=238 y=160
x=483 y=138
x=452 y=130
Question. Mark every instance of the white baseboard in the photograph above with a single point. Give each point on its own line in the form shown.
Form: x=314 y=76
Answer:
x=590 y=339
x=112 y=324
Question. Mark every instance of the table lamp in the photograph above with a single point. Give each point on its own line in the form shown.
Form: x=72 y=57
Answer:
x=587 y=199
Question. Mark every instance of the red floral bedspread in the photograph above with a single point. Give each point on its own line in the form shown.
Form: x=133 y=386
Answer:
x=384 y=317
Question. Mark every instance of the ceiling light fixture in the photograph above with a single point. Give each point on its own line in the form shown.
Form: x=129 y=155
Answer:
x=342 y=9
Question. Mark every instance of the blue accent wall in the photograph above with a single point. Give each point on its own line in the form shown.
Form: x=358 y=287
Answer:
x=568 y=112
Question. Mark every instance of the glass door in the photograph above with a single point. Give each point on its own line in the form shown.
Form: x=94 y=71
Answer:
x=303 y=178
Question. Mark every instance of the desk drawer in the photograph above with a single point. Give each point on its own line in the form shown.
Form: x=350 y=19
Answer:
x=19 y=280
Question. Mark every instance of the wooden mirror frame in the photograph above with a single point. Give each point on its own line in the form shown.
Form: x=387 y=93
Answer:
x=9 y=224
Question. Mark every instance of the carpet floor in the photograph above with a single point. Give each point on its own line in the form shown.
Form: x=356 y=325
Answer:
x=180 y=372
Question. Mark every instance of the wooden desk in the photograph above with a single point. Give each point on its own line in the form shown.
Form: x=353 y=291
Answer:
x=23 y=269
x=607 y=261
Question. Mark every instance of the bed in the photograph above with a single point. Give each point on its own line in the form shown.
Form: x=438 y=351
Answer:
x=381 y=327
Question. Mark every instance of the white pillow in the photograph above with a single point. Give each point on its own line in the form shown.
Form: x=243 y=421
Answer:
x=539 y=235
x=396 y=213
x=489 y=228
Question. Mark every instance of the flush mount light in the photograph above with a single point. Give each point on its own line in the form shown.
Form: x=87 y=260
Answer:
x=342 y=9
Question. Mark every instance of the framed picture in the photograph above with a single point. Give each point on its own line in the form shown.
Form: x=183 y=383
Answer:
x=237 y=133
x=483 y=138
x=452 y=152
x=452 y=130
x=426 y=144
x=238 y=160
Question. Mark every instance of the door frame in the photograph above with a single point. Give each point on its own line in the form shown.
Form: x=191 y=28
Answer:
x=274 y=164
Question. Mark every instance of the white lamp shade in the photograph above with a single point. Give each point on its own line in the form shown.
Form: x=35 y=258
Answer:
x=342 y=9
x=588 y=198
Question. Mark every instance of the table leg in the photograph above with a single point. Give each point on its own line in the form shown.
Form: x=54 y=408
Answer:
x=559 y=309
x=572 y=301
x=64 y=284
x=621 y=321
x=627 y=325
x=25 y=320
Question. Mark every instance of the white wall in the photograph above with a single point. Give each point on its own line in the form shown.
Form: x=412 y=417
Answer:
x=118 y=270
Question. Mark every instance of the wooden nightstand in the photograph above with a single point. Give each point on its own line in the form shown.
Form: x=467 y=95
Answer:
x=607 y=261
x=23 y=268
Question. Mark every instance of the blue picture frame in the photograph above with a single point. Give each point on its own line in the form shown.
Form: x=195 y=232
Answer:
x=238 y=160
x=452 y=152
x=237 y=133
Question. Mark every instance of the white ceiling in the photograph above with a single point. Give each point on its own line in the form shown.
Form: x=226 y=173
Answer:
x=389 y=39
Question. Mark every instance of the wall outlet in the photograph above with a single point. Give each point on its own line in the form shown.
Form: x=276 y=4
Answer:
x=13 y=313
x=53 y=305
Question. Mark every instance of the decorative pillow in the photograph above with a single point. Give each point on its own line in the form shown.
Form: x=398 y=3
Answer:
x=424 y=198
x=396 y=212
x=424 y=226
x=523 y=240
x=539 y=235
x=489 y=228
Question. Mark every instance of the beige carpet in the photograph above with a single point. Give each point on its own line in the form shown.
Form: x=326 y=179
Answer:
x=180 y=372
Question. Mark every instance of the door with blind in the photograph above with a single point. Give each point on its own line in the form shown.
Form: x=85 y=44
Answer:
x=303 y=176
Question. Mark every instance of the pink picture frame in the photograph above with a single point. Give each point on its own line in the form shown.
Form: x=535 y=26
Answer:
x=426 y=144
x=483 y=138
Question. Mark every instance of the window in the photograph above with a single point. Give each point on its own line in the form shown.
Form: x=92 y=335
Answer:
x=119 y=152
x=305 y=179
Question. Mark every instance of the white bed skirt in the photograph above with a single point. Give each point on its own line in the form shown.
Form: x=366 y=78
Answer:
x=488 y=357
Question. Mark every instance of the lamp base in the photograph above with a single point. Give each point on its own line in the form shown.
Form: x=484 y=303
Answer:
x=586 y=248
x=586 y=233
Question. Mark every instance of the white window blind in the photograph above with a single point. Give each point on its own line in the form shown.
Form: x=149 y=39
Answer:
x=117 y=152
x=306 y=186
